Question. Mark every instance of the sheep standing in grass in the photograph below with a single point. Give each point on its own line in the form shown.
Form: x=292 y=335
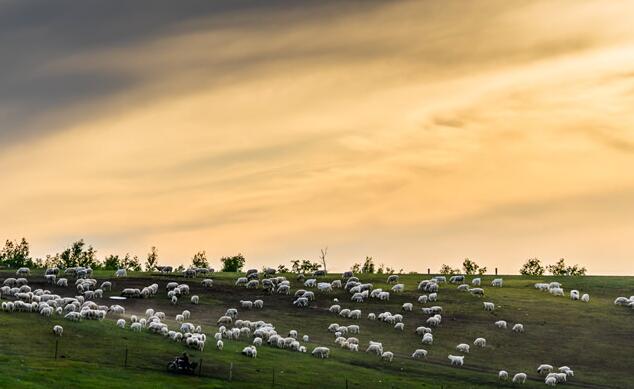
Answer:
x=476 y=281
x=387 y=356
x=194 y=299
x=258 y=304
x=398 y=288
x=419 y=354
x=574 y=295
x=58 y=330
x=186 y=314
x=498 y=282
x=220 y=344
x=519 y=378
x=463 y=348
x=321 y=352
x=121 y=323
x=585 y=298
x=399 y=326
x=488 y=306
x=544 y=369
x=407 y=307
x=503 y=375
x=480 y=342
x=519 y=328
x=456 y=360
x=500 y=324
x=428 y=338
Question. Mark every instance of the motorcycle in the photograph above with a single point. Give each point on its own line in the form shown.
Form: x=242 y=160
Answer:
x=180 y=366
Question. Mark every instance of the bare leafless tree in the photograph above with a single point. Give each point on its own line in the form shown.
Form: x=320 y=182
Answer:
x=323 y=258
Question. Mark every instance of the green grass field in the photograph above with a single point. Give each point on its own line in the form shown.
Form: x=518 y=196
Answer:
x=595 y=339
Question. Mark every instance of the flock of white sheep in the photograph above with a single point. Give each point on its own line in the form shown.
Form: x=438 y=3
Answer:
x=83 y=307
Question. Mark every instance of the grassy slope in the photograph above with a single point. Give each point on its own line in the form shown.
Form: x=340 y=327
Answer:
x=595 y=339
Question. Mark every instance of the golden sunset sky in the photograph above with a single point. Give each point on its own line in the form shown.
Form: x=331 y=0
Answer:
x=419 y=133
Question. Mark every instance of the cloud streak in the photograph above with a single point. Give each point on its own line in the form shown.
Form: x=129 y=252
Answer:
x=417 y=132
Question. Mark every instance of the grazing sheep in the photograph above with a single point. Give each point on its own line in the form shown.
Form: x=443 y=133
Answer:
x=194 y=299
x=375 y=347
x=392 y=279
x=519 y=378
x=225 y=320
x=387 y=356
x=305 y=338
x=321 y=352
x=250 y=351
x=258 y=304
x=544 y=369
x=335 y=308
x=476 y=291
x=497 y=282
x=550 y=381
x=58 y=330
x=476 y=281
x=371 y=316
x=463 y=348
x=422 y=299
x=186 y=314
x=480 y=342
x=174 y=300
x=207 y=283
x=419 y=354
x=219 y=344
x=121 y=273
x=585 y=298
x=408 y=307
x=399 y=326
x=456 y=360
x=503 y=375
x=488 y=306
x=398 y=288
x=422 y=331
x=121 y=323
x=519 y=328
x=574 y=295
x=355 y=314
x=62 y=282
x=428 y=338
x=463 y=287
x=500 y=324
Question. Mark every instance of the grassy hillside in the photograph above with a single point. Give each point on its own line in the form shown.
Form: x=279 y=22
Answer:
x=594 y=338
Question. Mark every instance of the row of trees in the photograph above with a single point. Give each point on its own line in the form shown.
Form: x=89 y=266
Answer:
x=16 y=254
x=532 y=267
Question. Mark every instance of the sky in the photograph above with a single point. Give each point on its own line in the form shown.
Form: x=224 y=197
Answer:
x=418 y=133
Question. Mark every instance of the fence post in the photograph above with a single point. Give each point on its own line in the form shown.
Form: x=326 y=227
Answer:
x=428 y=271
x=56 y=346
x=496 y=271
x=125 y=361
x=200 y=367
x=230 y=371
x=346 y=382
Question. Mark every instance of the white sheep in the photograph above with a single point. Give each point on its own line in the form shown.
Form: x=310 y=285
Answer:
x=58 y=330
x=258 y=304
x=476 y=281
x=519 y=328
x=480 y=342
x=488 y=306
x=456 y=360
x=519 y=378
x=419 y=354
x=398 y=288
x=503 y=375
x=407 y=307
x=220 y=344
x=387 y=356
x=428 y=338
x=544 y=369
x=186 y=314
x=399 y=326
x=500 y=324
x=497 y=282
x=463 y=348
x=121 y=323
x=574 y=295
x=371 y=316
x=585 y=298
x=194 y=299
x=136 y=327
x=321 y=352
